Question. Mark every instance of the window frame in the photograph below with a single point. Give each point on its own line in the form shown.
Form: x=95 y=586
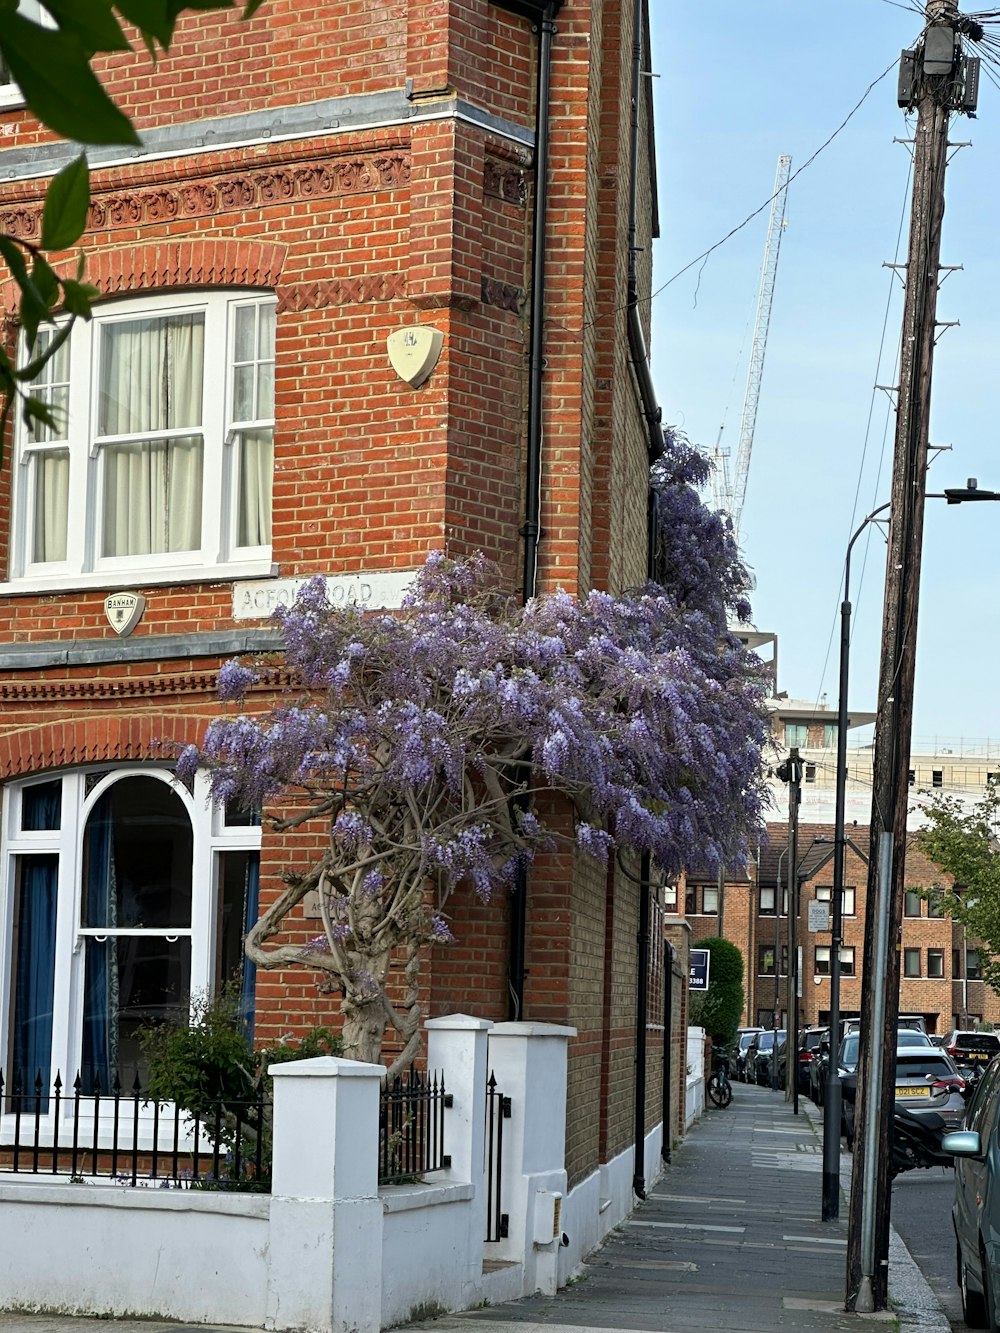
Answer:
x=211 y=838
x=217 y=555
x=11 y=96
x=848 y=907
x=909 y=953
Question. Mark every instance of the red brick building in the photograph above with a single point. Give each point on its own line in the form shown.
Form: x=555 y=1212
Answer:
x=458 y=173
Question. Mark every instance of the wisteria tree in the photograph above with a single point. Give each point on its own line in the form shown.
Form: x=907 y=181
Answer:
x=422 y=738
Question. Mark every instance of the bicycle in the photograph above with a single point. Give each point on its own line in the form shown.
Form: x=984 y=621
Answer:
x=719 y=1088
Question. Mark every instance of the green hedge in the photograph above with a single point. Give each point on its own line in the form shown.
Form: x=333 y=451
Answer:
x=718 y=1009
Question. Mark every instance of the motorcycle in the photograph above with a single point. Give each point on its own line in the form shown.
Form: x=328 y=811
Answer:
x=916 y=1141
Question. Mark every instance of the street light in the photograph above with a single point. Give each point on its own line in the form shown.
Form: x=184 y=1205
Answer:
x=832 y=1099
x=775 y=1012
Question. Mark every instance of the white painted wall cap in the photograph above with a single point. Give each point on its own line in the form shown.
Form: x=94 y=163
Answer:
x=531 y=1030
x=459 y=1021
x=326 y=1066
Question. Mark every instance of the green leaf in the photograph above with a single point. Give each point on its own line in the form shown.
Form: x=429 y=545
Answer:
x=67 y=199
x=54 y=75
x=93 y=23
x=153 y=18
x=33 y=409
x=33 y=306
x=28 y=372
x=77 y=297
x=44 y=280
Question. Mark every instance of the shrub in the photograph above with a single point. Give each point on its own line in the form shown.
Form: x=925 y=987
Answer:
x=718 y=1009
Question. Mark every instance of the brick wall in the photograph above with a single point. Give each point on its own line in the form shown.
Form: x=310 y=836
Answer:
x=424 y=217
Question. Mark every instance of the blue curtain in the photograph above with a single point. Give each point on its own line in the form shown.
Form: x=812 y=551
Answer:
x=35 y=974
x=248 y=982
x=100 y=996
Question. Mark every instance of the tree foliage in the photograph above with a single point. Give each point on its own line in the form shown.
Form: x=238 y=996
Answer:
x=51 y=63
x=421 y=740
x=718 y=1009
x=964 y=843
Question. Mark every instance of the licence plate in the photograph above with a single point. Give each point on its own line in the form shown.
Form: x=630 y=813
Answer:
x=975 y=1057
x=911 y=1092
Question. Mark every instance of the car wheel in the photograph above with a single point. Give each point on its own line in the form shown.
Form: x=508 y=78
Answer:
x=974 y=1310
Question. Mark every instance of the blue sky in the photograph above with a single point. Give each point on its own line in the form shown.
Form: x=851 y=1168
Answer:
x=739 y=85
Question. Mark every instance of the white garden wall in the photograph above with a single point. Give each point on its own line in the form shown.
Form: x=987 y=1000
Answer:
x=328 y=1251
x=105 y=1249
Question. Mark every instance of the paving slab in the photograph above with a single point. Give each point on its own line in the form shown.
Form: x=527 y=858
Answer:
x=729 y=1238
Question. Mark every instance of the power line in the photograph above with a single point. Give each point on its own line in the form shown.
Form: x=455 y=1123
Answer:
x=768 y=201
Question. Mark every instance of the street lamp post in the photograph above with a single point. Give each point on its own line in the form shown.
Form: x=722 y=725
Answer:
x=775 y=1012
x=832 y=1095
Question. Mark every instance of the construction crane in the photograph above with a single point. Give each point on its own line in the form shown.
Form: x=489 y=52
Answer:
x=729 y=482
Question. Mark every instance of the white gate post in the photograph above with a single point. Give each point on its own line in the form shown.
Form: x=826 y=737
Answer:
x=529 y=1062
x=325 y=1271
x=456 y=1045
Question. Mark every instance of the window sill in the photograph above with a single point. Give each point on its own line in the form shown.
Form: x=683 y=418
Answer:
x=227 y=573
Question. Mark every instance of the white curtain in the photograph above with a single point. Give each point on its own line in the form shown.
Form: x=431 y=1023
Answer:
x=51 y=505
x=151 y=379
x=256 y=476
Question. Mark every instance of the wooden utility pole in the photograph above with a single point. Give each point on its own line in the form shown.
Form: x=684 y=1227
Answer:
x=932 y=78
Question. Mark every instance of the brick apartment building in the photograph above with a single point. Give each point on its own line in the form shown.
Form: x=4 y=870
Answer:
x=311 y=182
x=940 y=976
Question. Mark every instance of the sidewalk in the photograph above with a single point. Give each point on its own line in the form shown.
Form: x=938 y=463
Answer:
x=729 y=1239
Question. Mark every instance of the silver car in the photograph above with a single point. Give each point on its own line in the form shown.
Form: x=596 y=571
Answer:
x=927 y=1080
x=975 y=1213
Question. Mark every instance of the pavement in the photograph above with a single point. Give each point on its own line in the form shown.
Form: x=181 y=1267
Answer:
x=729 y=1238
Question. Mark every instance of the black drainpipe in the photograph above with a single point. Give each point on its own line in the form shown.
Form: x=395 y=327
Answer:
x=653 y=416
x=641 y=1003
x=531 y=531
x=668 y=1064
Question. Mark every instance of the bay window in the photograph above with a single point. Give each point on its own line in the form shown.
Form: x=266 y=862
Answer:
x=123 y=896
x=160 y=460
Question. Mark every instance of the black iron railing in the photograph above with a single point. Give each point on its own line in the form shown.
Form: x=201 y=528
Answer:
x=411 y=1127
x=124 y=1136
x=497 y=1111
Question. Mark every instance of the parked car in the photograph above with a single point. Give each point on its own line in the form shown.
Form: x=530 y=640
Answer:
x=927 y=1084
x=908 y=1037
x=810 y=1040
x=744 y=1040
x=971 y=1048
x=975 y=1213
x=762 y=1048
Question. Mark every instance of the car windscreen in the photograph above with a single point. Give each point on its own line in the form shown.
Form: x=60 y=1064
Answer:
x=909 y=1037
x=909 y=1064
x=978 y=1041
x=849 y=1051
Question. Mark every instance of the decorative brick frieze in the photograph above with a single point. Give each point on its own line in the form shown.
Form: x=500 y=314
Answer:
x=503 y=295
x=505 y=181
x=343 y=291
x=195 y=263
x=105 y=688
x=227 y=194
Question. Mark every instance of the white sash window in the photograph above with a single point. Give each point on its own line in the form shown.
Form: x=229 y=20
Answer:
x=160 y=463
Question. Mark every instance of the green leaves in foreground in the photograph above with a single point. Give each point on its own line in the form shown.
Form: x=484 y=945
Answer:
x=51 y=64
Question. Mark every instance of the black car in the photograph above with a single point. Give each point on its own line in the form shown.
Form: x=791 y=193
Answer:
x=762 y=1048
x=971 y=1048
x=810 y=1041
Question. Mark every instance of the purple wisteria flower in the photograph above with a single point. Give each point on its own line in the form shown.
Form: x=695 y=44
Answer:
x=412 y=748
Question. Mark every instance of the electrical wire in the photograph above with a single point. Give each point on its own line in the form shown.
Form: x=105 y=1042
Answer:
x=766 y=204
x=868 y=427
